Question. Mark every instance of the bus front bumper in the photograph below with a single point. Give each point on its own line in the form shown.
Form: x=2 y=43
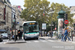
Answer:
x=31 y=36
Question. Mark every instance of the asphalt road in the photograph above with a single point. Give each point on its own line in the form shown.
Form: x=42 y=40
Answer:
x=41 y=44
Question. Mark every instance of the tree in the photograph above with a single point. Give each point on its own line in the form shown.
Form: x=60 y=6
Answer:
x=57 y=7
x=34 y=10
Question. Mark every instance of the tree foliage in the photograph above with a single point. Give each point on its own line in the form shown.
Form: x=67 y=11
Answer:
x=34 y=11
x=57 y=7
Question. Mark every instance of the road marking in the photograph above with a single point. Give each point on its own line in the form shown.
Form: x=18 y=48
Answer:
x=43 y=40
x=35 y=41
x=28 y=41
x=58 y=41
x=51 y=41
x=0 y=42
x=73 y=42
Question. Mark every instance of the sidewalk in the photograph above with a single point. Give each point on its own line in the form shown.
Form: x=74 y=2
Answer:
x=54 y=38
x=46 y=38
x=13 y=42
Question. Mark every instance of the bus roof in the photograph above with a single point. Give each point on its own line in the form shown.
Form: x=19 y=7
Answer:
x=28 y=21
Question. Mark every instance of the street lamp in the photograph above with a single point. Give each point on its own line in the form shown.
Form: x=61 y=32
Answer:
x=15 y=27
x=51 y=19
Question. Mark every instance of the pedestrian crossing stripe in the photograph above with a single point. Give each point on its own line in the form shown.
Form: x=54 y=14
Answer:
x=43 y=40
x=36 y=41
x=73 y=42
x=28 y=41
x=51 y=41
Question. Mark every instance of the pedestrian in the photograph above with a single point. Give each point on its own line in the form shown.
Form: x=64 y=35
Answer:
x=19 y=34
x=51 y=33
x=62 y=35
x=45 y=33
x=48 y=33
x=13 y=37
x=66 y=35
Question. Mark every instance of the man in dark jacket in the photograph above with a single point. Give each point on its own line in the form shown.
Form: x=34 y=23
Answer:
x=20 y=34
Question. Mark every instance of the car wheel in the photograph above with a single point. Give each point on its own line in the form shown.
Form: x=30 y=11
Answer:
x=1 y=40
x=37 y=38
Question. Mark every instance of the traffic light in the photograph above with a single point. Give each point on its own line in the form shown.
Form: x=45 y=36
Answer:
x=74 y=24
x=14 y=17
x=66 y=16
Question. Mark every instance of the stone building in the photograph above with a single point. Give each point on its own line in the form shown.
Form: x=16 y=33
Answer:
x=6 y=6
x=8 y=14
x=18 y=18
x=2 y=21
x=72 y=9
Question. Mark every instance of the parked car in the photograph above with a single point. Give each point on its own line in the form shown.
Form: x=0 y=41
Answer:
x=4 y=35
x=1 y=38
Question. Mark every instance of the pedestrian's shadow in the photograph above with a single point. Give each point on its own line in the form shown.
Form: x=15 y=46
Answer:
x=51 y=39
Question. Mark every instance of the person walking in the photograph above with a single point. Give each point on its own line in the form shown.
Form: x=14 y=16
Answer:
x=66 y=35
x=51 y=34
x=62 y=35
x=19 y=34
x=48 y=33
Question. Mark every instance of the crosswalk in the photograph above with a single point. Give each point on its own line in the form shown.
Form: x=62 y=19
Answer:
x=39 y=41
x=46 y=41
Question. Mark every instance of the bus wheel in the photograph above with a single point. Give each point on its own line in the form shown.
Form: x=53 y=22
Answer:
x=37 y=38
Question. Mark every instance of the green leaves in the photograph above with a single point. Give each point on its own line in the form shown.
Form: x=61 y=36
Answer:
x=57 y=7
x=34 y=11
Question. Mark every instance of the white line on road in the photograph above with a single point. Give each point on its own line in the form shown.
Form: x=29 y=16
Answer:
x=35 y=41
x=51 y=41
x=43 y=40
x=73 y=42
x=28 y=41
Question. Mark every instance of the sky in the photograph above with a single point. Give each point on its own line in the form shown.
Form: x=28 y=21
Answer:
x=66 y=2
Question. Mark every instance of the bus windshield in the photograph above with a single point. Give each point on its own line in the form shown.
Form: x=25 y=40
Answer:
x=30 y=27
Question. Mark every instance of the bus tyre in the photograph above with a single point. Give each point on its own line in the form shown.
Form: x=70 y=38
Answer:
x=37 y=38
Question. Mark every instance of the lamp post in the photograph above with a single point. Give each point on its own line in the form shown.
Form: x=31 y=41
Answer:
x=51 y=20
x=15 y=27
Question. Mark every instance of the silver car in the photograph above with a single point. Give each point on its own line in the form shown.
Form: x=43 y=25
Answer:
x=4 y=35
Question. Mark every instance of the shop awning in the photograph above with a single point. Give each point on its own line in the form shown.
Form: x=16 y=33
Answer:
x=2 y=30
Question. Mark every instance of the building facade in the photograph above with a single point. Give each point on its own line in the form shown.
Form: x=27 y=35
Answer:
x=18 y=18
x=72 y=9
x=6 y=13
x=2 y=14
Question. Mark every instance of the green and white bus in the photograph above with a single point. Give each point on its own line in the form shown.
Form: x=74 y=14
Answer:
x=30 y=29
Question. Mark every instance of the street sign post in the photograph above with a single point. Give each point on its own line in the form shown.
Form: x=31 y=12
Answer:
x=44 y=26
x=66 y=21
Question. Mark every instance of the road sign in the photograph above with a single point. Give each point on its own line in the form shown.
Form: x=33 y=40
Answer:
x=55 y=28
x=66 y=21
x=43 y=25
